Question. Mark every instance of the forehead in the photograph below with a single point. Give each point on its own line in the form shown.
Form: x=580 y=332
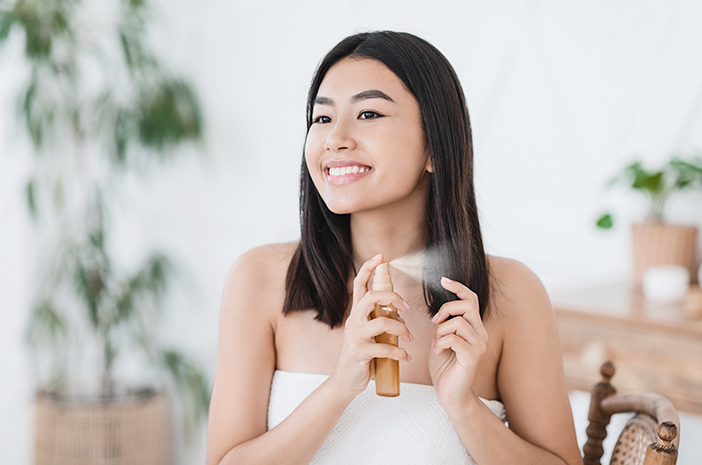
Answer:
x=350 y=76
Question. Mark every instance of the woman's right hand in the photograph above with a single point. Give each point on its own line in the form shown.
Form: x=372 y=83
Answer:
x=352 y=372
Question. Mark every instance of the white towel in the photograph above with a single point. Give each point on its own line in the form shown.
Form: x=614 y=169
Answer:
x=412 y=428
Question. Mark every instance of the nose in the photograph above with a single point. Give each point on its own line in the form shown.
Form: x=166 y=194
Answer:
x=340 y=138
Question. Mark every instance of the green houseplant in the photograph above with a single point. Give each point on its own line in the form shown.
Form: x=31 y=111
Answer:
x=656 y=241
x=98 y=104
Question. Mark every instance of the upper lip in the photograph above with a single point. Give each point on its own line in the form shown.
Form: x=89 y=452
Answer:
x=341 y=163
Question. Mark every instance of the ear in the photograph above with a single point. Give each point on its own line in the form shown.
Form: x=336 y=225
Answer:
x=429 y=167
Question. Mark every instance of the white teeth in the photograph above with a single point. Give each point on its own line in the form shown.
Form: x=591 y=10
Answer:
x=347 y=170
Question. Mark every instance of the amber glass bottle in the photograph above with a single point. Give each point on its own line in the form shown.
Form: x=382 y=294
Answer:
x=387 y=370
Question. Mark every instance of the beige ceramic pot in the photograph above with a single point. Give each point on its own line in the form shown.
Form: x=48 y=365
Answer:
x=122 y=431
x=656 y=243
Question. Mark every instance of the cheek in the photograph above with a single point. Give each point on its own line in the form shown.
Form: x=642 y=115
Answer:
x=403 y=138
x=312 y=152
x=312 y=162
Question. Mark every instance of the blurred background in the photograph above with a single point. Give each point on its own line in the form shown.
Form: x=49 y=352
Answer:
x=562 y=95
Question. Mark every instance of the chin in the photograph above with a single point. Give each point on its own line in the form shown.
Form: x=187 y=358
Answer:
x=341 y=209
x=344 y=206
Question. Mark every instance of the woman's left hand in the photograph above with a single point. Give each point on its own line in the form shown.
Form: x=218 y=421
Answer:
x=458 y=345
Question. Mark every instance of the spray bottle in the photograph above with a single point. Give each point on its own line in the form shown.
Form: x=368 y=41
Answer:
x=387 y=370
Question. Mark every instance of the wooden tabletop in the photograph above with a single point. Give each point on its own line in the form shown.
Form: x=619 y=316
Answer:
x=654 y=346
x=617 y=303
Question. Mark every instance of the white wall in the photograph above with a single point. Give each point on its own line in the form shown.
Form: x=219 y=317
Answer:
x=561 y=94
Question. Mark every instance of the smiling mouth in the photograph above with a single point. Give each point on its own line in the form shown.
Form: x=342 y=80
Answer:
x=337 y=175
x=340 y=171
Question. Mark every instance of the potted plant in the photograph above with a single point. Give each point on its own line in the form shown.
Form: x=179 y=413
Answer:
x=655 y=241
x=96 y=105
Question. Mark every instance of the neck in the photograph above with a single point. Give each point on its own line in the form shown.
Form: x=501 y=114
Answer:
x=395 y=231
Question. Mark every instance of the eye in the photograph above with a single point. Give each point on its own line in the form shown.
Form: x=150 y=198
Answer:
x=369 y=115
x=321 y=119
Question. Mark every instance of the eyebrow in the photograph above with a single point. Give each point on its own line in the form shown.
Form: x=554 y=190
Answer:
x=365 y=95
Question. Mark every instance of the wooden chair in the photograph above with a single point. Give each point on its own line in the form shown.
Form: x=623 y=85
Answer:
x=649 y=438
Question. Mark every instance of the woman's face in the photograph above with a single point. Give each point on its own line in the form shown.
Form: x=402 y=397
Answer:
x=366 y=147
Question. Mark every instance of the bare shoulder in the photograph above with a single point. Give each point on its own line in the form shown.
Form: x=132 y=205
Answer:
x=264 y=263
x=257 y=278
x=515 y=289
x=262 y=268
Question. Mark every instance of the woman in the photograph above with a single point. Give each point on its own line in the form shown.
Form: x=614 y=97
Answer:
x=387 y=172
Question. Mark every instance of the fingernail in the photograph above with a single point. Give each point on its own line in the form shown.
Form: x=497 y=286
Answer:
x=409 y=357
x=377 y=257
x=411 y=337
x=433 y=341
x=445 y=279
x=436 y=317
x=406 y=305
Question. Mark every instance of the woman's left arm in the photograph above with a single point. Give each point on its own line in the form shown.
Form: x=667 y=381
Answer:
x=529 y=375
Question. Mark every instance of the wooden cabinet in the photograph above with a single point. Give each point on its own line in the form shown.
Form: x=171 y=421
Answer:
x=653 y=346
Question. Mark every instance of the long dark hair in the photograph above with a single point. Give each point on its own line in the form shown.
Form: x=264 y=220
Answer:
x=318 y=275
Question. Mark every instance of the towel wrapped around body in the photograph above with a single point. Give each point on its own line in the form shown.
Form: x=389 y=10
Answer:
x=410 y=429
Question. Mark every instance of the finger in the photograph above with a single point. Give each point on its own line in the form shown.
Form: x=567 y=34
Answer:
x=462 y=291
x=382 y=325
x=470 y=312
x=360 y=282
x=458 y=345
x=360 y=313
x=385 y=299
x=454 y=308
x=389 y=351
x=460 y=328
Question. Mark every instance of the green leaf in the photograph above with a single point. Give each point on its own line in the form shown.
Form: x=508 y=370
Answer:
x=97 y=237
x=121 y=136
x=155 y=273
x=169 y=115
x=605 y=221
x=60 y=24
x=124 y=305
x=149 y=282
x=648 y=181
x=686 y=173
x=6 y=22
x=191 y=386
x=126 y=48
x=46 y=325
x=38 y=37
x=34 y=125
x=31 y=201
x=89 y=285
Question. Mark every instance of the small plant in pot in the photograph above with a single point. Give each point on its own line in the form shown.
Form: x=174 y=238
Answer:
x=89 y=402
x=655 y=241
x=96 y=105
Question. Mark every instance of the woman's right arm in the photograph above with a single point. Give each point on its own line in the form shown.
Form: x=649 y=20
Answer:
x=246 y=362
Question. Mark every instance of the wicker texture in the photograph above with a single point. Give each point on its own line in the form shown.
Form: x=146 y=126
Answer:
x=638 y=433
x=123 y=432
x=663 y=244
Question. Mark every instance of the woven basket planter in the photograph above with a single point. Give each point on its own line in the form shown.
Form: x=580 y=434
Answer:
x=123 y=431
x=663 y=244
